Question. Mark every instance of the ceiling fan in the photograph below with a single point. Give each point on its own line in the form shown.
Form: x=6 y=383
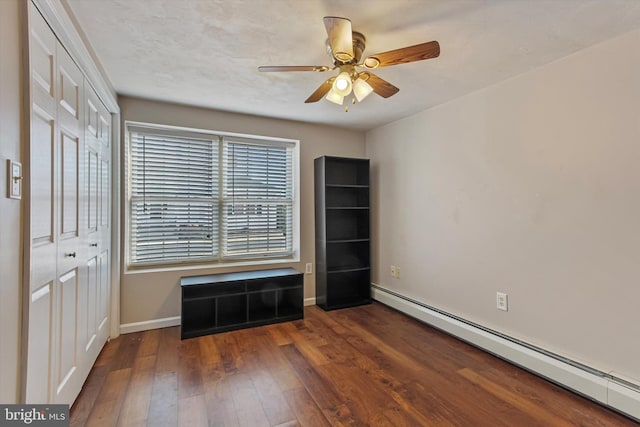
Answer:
x=345 y=48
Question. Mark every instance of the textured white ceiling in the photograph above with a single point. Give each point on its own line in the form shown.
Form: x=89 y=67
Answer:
x=206 y=52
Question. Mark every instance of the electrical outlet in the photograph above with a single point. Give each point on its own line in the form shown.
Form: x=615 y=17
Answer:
x=502 y=301
x=393 y=271
x=308 y=268
x=397 y=272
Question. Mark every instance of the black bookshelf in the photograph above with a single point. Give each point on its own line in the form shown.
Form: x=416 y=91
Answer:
x=343 y=251
x=225 y=302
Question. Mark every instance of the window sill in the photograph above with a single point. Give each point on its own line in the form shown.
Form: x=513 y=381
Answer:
x=205 y=266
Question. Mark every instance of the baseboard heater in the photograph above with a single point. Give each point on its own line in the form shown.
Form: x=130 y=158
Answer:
x=609 y=389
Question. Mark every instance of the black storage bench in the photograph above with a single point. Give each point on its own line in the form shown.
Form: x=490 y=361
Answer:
x=224 y=302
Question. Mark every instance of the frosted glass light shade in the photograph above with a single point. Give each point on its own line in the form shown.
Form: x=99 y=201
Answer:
x=361 y=89
x=342 y=84
x=334 y=97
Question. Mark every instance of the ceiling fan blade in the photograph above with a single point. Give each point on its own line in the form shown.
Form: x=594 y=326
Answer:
x=271 y=68
x=403 y=55
x=340 y=37
x=321 y=91
x=381 y=86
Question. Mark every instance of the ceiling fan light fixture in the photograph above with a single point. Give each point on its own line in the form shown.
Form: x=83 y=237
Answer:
x=361 y=89
x=334 y=97
x=345 y=47
x=342 y=85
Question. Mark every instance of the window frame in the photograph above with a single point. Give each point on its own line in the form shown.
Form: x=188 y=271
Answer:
x=182 y=131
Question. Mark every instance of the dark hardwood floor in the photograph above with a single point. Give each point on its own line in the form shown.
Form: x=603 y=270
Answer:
x=368 y=365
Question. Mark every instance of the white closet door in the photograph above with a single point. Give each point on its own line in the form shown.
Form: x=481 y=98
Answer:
x=72 y=248
x=69 y=238
x=97 y=137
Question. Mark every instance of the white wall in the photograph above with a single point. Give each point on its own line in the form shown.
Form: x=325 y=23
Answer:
x=10 y=218
x=150 y=296
x=531 y=187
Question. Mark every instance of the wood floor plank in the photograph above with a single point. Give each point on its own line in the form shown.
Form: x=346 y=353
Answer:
x=190 y=381
x=349 y=382
x=192 y=411
x=135 y=407
x=107 y=354
x=167 y=358
x=84 y=403
x=273 y=359
x=274 y=404
x=304 y=345
x=517 y=400
x=279 y=336
x=106 y=410
x=247 y=402
x=127 y=352
x=163 y=407
x=149 y=343
x=316 y=312
x=320 y=390
x=548 y=395
x=209 y=353
x=229 y=353
x=367 y=365
x=221 y=411
x=305 y=408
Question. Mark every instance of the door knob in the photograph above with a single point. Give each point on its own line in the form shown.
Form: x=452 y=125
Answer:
x=70 y=255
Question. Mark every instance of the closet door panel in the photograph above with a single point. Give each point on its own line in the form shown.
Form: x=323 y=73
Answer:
x=39 y=343
x=67 y=378
x=105 y=196
x=92 y=196
x=104 y=296
x=69 y=200
x=91 y=307
x=43 y=151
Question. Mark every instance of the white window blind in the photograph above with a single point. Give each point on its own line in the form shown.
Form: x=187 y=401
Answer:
x=173 y=198
x=257 y=211
x=207 y=198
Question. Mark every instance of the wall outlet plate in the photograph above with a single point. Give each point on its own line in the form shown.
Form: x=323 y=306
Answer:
x=502 y=301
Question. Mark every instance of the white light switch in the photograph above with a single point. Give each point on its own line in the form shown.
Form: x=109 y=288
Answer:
x=14 y=184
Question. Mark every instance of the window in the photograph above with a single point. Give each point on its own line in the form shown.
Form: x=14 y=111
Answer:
x=201 y=197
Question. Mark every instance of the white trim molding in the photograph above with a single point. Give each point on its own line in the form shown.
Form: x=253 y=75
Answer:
x=310 y=301
x=128 y=328
x=609 y=389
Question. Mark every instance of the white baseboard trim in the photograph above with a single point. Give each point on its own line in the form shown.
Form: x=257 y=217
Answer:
x=620 y=394
x=128 y=328
x=310 y=301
